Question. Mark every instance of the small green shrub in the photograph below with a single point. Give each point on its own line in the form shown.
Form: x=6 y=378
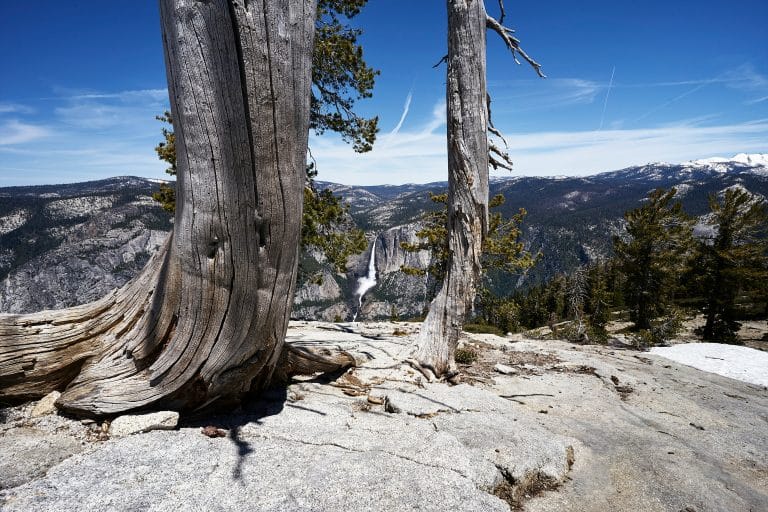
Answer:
x=661 y=331
x=465 y=356
x=597 y=334
x=586 y=333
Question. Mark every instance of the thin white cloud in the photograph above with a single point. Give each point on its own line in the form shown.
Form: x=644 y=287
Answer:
x=743 y=77
x=414 y=155
x=439 y=113
x=91 y=135
x=420 y=156
x=546 y=95
x=15 y=108
x=607 y=94
x=552 y=153
x=127 y=95
x=721 y=79
x=691 y=121
x=565 y=92
x=15 y=132
x=122 y=109
x=747 y=78
x=81 y=163
x=670 y=102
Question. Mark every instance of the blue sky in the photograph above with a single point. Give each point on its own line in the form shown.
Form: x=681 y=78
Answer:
x=82 y=81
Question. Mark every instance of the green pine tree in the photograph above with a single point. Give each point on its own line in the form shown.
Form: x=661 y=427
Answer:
x=655 y=252
x=503 y=254
x=555 y=300
x=733 y=261
x=328 y=227
x=166 y=151
x=433 y=237
x=340 y=75
x=598 y=298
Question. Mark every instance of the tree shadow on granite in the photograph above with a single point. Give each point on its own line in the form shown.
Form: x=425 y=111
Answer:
x=229 y=423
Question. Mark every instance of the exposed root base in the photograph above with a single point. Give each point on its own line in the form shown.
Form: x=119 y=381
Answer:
x=451 y=375
x=297 y=360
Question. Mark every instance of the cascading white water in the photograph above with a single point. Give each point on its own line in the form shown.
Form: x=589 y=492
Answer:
x=366 y=282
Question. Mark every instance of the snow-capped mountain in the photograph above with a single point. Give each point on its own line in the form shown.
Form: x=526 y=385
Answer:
x=742 y=163
x=749 y=160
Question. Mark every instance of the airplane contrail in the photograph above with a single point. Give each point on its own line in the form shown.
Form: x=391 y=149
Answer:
x=605 y=103
x=406 y=108
x=668 y=103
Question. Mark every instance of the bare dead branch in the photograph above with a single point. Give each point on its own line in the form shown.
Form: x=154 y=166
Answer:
x=491 y=127
x=493 y=148
x=497 y=133
x=512 y=43
x=504 y=162
x=443 y=59
x=496 y=164
x=501 y=7
x=502 y=159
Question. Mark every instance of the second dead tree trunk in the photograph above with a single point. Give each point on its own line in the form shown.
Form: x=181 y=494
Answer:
x=468 y=124
x=467 y=184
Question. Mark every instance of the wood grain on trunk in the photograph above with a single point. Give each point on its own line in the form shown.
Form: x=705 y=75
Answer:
x=207 y=318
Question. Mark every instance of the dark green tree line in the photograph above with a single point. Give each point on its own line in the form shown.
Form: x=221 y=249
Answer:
x=660 y=267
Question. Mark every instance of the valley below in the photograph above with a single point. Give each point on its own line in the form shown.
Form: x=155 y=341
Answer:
x=62 y=245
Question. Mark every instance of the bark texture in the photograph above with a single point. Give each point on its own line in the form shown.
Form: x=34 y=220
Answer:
x=206 y=320
x=466 y=100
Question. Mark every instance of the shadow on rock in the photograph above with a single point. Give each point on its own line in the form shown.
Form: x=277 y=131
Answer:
x=228 y=424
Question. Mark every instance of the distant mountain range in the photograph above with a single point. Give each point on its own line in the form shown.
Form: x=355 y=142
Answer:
x=66 y=244
x=571 y=220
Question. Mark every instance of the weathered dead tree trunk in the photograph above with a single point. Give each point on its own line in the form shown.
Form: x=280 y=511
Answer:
x=206 y=319
x=467 y=185
x=469 y=155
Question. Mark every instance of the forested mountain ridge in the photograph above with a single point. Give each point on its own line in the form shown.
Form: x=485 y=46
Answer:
x=66 y=244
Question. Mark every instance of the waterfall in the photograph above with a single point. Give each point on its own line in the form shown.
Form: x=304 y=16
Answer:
x=366 y=282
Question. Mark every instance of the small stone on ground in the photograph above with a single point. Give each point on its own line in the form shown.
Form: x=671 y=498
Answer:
x=133 y=424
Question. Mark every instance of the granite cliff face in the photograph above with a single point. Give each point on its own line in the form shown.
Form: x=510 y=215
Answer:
x=79 y=272
x=68 y=244
x=396 y=294
x=336 y=296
